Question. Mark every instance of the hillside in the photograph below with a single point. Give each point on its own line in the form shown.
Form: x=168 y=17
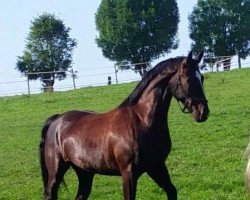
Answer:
x=207 y=160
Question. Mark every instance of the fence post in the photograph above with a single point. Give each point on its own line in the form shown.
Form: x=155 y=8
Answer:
x=28 y=82
x=116 y=70
x=73 y=78
x=109 y=80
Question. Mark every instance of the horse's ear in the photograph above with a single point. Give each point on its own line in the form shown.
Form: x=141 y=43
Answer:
x=190 y=56
x=200 y=56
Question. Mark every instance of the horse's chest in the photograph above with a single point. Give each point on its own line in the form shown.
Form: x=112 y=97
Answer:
x=153 y=149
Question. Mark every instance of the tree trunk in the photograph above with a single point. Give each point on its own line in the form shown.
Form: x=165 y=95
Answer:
x=142 y=69
x=239 y=61
x=48 y=85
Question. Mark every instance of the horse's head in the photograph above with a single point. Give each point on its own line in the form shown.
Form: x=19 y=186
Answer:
x=187 y=87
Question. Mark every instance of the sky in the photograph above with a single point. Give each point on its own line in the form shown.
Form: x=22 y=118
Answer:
x=15 y=20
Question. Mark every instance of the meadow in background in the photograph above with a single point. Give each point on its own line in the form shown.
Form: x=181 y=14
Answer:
x=207 y=160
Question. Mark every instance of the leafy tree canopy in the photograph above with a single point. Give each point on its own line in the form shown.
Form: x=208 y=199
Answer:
x=48 y=49
x=222 y=27
x=137 y=31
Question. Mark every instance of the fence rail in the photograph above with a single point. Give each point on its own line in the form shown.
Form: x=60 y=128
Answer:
x=74 y=79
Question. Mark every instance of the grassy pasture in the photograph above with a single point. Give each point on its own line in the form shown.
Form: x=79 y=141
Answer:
x=207 y=160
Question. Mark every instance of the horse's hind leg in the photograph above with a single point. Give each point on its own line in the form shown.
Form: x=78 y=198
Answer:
x=161 y=176
x=85 y=183
x=56 y=170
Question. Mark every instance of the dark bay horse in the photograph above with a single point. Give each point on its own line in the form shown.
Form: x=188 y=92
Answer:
x=127 y=141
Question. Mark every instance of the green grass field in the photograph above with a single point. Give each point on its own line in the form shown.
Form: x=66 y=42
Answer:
x=207 y=160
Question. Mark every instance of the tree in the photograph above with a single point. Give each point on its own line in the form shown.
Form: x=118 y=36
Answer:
x=48 y=49
x=221 y=27
x=137 y=31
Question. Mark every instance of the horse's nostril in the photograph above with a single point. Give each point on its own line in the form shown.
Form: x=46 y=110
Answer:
x=205 y=113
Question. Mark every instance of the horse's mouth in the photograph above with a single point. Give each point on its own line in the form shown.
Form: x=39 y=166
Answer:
x=200 y=112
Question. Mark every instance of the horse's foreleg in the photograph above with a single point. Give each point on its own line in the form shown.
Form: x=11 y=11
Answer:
x=161 y=176
x=129 y=183
x=85 y=184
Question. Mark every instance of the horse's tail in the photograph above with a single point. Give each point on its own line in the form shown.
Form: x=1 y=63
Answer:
x=41 y=148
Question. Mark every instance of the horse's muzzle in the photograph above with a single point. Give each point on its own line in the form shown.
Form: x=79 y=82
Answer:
x=200 y=111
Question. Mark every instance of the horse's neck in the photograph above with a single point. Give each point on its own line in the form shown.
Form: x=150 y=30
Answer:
x=154 y=103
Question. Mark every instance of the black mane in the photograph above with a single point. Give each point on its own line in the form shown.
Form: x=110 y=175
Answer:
x=172 y=64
